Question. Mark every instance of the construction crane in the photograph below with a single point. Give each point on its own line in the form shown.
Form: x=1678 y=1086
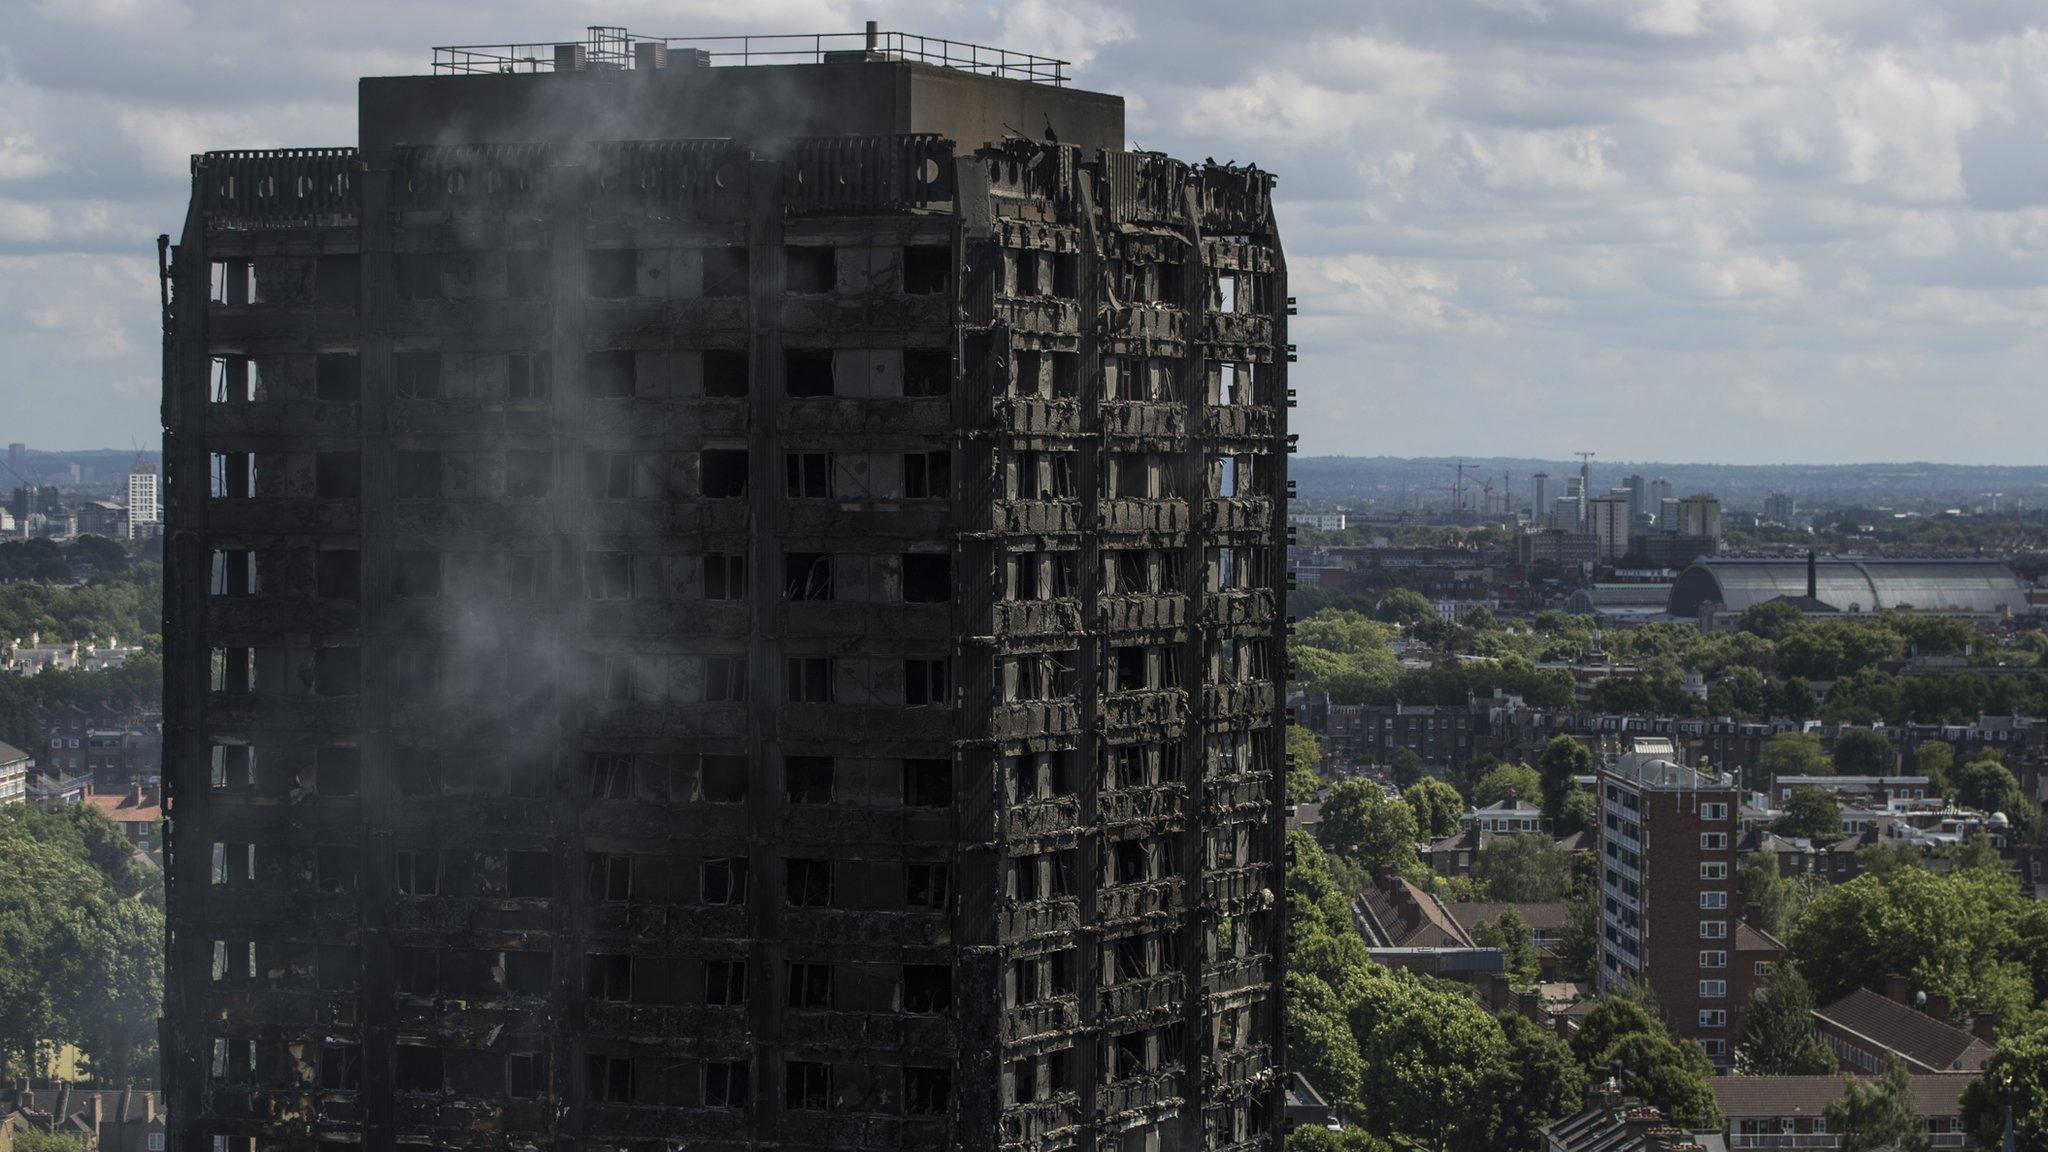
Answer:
x=1457 y=487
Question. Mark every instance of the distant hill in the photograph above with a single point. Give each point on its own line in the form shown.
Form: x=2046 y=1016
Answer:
x=1395 y=481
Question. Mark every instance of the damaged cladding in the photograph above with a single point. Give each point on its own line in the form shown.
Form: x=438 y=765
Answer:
x=725 y=607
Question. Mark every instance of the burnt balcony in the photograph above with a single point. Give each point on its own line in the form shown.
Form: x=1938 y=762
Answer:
x=1235 y=975
x=1035 y=517
x=1249 y=699
x=1241 y=1066
x=1146 y=322
x=1152 y=708
x=1029 y=416
x=1239 y=889
x=1040 y=917
x=1057 y=816
x=1147 y=900
x=1236 y=328
x=1141 y=613
x=1146 y=996
x=1046 y=315
x=1024 y=719
x=1143 y=419
x=1246 y=606
x=1239 y=422
x=1159 y=802
x=1238 y=514
x=1145 y=1092
x=1133 y=515
x=1235 y=795
x=1020 y=618
x=1040 y=1123
x=1030 y=1021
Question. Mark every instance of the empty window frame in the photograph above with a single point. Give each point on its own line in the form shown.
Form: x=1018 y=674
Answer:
x=810 y=269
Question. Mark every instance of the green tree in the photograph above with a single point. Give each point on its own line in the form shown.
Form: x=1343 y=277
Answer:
x=1406 y=606
x=1430 y=1050
x=1563 y=759
x=1773 y=620
x=1811 y=813
x=1538 y=1083
x=1777 y=1030
x=2016 y=1081
x=1581 y=813
x=1792 y=754
x=1964 y=934
x=1304 y=755
x=1359 y=821
x=1782 y=899
x=1314 y=1138
x=1509 y=782
x=30 y=1140
x=1319 y=1040
x=1436 y=805
x=1523 y=868
x=1793 y=699
x=1407 y=767
x=1934 y=760
x=1984 y=784
x=1878 y=1114
x=1510 y=933
x=80 y=960
x=1864 y=752
x=1624 y=1035
x=1578 y=944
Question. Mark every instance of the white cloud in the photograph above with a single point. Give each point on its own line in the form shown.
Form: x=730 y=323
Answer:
x=1512 y=224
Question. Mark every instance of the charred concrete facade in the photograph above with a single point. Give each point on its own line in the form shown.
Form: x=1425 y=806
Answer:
x=691 y=629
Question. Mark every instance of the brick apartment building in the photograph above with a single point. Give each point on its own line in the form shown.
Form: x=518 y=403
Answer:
x=1670 y=918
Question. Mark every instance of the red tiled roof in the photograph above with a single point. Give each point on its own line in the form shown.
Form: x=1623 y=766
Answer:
x=135 y=806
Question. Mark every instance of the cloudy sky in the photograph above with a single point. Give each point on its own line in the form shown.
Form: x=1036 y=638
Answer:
x=1703 y=230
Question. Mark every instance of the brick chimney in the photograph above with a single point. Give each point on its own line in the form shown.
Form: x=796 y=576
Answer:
x=1895 y=989
x=1937 y=1006
x=1982 y=1024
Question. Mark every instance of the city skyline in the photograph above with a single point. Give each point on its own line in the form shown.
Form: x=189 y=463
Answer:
x=1793 y=229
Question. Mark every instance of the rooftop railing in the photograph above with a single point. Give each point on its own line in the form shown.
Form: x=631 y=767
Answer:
x=615 y=49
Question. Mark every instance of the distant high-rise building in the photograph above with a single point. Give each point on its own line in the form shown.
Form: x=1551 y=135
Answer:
x=1698 y=516
x=1654 y=496
x=17 y=459
x=1607 y=521
x=1638 y=490
x=1780 y=506
x=144 y=512
x=1539 y=505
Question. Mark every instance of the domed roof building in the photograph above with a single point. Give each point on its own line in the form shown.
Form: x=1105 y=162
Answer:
x=1818 y=585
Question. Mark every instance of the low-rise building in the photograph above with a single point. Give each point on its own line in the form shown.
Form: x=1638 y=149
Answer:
x=1612 y=1122
x=1789 y=1112
x=101 y=1119
x=1866 y=1031
x=15 y=766
x=138 y=811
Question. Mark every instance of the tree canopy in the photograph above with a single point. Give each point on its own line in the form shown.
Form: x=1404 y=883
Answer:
x=1878 y=1114
x=80 y=942
x=1810 y=812
x=1358 y=821
x=1436 y=805
x=1777 y=1030
x=1523 y=868
x=1967 y=934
